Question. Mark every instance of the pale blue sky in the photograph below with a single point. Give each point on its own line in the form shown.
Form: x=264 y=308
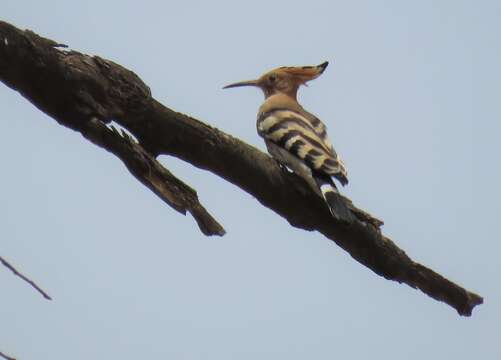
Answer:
x=411 y=99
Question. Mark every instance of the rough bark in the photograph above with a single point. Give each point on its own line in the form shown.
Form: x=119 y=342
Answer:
x=86 y=92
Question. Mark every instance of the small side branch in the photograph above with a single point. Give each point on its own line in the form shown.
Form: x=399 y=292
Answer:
x=29 y=281
x=6 y=357
x=151 y=173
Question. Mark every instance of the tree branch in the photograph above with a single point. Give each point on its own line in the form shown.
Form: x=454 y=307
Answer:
x=6 y=357
x=82 y=92
x=29 y=281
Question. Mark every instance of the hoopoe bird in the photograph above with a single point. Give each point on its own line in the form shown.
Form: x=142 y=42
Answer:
x=296 y=138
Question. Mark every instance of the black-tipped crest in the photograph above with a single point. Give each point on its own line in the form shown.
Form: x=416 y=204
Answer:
x=323 y=66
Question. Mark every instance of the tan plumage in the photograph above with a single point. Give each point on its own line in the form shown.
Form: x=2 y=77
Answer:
x=285 y=117
x=297 y=138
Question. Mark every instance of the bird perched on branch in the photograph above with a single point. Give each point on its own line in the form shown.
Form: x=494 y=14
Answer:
x=298 y=139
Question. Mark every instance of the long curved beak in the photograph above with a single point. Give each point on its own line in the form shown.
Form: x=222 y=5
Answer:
x=242 y=83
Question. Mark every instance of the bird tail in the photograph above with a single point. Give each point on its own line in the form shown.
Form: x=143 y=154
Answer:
x=335 y=202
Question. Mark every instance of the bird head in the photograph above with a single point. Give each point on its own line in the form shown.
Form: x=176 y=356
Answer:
x=285 y=79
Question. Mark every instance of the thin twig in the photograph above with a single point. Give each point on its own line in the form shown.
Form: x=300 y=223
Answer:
x=6 y=357
x=31 y=282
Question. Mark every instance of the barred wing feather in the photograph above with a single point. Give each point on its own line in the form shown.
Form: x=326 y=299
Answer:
x=305 y=137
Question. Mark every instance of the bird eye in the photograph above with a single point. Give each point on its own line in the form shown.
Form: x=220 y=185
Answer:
x=273 y=78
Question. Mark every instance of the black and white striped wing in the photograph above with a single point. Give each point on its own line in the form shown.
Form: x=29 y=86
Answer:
x=305 y=138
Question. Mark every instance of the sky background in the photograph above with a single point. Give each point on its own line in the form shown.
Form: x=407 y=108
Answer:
x=412 y=102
